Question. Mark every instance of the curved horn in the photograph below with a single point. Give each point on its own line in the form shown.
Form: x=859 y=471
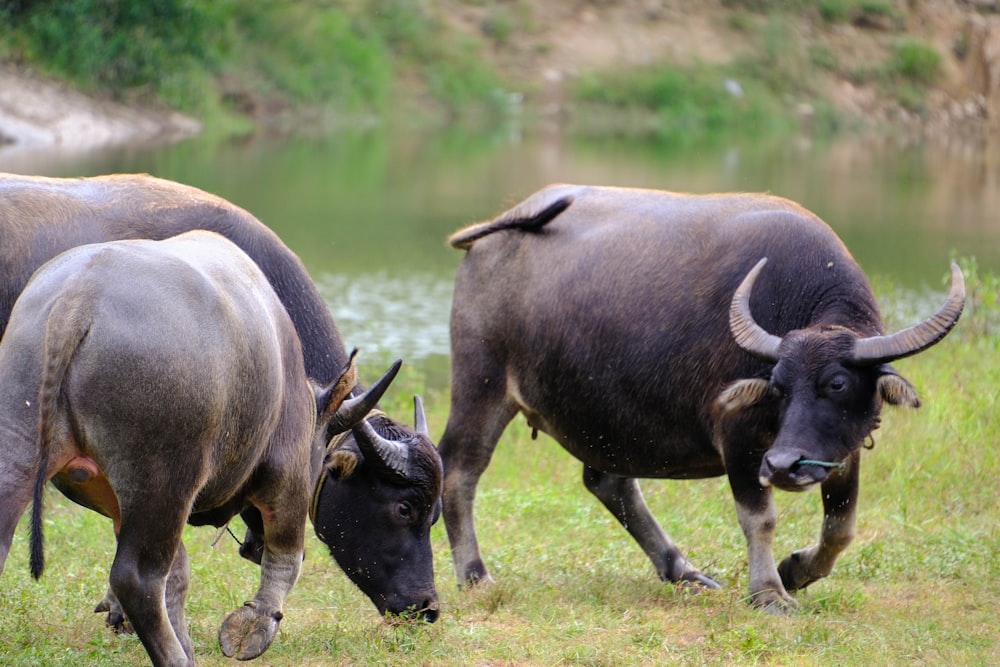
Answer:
x=390 y=456
x=354 y=409
x=748 y=334
x=919 y=337
x=419 y=419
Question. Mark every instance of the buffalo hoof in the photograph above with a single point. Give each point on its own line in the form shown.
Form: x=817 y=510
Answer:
x=794 y=573
x=481 y=583
x=774 y=604
x=116 y=615
x=247 y=632
x=697 y=581
x=476 y=576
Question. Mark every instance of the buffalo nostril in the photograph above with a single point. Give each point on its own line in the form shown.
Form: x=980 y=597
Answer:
x=777 y=467
x=781 y=461
x=429 y=610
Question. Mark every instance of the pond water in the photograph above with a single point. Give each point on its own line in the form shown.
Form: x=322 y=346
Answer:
x=369 y=212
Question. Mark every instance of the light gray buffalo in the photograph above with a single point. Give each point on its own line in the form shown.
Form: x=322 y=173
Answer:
x=642 y=331
x=164 y=381
x=373 y=512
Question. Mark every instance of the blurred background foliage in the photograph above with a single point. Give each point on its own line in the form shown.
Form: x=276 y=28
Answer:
x=220 y=57
x=235 y=64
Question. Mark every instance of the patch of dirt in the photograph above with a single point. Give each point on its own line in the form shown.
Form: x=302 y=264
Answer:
x=544 y=44
x=38 y=114
x=530 y=38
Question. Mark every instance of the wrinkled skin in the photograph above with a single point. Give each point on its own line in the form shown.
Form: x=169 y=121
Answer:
x=626 y=325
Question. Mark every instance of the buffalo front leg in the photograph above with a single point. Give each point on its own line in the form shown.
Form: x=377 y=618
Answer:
x=622 y=497
x=466 y=448
x=755 y=511
x=249 y=630
x=840 y=502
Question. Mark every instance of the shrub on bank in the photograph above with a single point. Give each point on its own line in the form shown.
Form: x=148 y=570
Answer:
x=677 y=103
x=237 y=57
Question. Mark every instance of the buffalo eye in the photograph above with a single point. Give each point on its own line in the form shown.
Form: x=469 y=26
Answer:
x=837 y=385
x=404 y=510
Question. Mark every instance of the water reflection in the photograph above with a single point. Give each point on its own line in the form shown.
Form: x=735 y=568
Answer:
x=390 y=316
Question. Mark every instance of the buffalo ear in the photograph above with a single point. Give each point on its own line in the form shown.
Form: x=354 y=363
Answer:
x=743 y=394
x=329 y=399
x=894 y=390
x=342 y=462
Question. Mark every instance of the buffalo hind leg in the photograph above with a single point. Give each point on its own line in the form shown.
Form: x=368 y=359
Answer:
x=139 y=580
x=622 y=497
x=176 y=594
x=840 y=501
x=15 y=494
x=115 y=618
x=252 y=547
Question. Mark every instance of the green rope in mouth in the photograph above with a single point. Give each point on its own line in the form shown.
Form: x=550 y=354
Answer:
x=842 y=465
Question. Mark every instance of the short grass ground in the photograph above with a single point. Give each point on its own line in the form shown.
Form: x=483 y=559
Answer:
x=919 y=586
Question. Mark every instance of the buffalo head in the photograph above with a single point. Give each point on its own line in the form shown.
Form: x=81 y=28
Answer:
x=827 y=384
x=374 y=507
x=378 y=491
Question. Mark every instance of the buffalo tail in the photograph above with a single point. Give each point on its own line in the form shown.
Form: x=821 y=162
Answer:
x=65 y=328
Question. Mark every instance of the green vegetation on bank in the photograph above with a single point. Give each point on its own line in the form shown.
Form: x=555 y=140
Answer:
x=677 y=104
x=777 y=85
x=234 y=62
x=919 y=585
x=221 y=59
x=832 y=11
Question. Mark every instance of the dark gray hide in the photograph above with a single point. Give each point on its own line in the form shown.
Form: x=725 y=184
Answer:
x=41 y=217
x=604 y=316
x=166 y=378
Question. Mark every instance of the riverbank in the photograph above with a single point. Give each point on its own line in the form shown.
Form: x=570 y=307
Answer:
x=42 y=114
x=850 y=67
x=931 y=67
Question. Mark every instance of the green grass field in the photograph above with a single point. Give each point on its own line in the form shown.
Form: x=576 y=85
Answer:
x=920 y=585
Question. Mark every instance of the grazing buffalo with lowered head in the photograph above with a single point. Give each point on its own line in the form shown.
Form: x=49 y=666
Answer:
x=641 y=330
x=41 y=217
x=163 y=380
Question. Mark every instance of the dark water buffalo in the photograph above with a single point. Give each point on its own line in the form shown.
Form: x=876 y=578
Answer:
x=637 y=328
x=41 y=217
x=165 y=381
